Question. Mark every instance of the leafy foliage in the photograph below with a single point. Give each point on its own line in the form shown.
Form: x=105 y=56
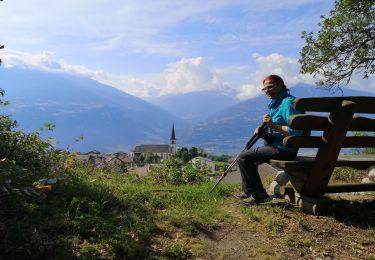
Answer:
x=367 y=150
x=186 y=154
x=344 y=44
x=174 y=172
x=26 y=150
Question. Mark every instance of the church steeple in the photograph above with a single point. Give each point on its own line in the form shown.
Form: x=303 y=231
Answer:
x=172 y=141
x=173 y=136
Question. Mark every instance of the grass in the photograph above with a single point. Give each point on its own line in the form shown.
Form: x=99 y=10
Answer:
x=105 y=215
x=99 y=214
x=347 y=175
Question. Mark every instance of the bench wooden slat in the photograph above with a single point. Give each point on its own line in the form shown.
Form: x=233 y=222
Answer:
x=304 y=163
x=365 y=104
x=351 y=187
x=317 y=141
x=328 y=152
x=320 y=123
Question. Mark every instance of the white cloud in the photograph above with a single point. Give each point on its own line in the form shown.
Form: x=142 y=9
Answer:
x=47 y=61
x=286 y=67
x=139 y=87
x=183 y=76
x=248 y=91
x=358 y=82
x=188 y=75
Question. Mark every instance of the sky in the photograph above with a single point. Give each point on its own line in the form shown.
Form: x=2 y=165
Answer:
x=151 y=48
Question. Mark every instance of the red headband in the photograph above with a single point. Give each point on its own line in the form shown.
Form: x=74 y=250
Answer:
x=274 y=79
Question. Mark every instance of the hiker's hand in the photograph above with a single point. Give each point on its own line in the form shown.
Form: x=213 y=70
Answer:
x=256 y=131
x=268 y=120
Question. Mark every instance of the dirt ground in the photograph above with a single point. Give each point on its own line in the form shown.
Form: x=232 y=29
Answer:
x=277 y=230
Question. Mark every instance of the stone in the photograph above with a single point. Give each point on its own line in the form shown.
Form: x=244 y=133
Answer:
x=282 y=178
x=366 y=180
x=44 y=188
x=52 y=181
x=371 y=175
x=277 y=190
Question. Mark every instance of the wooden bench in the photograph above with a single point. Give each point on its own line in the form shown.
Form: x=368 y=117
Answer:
x=310 y=175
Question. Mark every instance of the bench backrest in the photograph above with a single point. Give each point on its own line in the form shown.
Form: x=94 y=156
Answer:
x=334 y=126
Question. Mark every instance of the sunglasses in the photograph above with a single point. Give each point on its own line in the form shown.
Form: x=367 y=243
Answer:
x=267 y=88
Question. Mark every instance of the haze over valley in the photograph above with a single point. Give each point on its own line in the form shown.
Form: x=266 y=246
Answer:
x=111 y=120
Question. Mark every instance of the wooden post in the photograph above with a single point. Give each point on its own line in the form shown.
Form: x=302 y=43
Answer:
x=326 y=157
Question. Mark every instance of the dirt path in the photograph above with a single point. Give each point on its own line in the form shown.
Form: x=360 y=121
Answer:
x=277 y=231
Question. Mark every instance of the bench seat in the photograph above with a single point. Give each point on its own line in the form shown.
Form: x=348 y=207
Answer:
x=306 y=162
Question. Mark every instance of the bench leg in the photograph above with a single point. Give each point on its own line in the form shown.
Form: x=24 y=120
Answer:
x=290 y=194
x=313 y=205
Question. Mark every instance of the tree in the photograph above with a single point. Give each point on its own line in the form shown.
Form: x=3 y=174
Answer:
x=202 y=152
x=149 y=158
x=183 y=154
x=344 y=44
x=193 y=152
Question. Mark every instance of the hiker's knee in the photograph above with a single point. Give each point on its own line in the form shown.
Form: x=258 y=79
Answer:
x=247 y=156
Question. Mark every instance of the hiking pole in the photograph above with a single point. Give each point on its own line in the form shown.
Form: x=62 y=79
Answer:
x=249 y=144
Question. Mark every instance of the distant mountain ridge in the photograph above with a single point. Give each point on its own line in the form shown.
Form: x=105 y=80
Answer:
x=109 y=119
x=195 y=106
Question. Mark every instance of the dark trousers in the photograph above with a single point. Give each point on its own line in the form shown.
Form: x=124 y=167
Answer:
x=248 y=162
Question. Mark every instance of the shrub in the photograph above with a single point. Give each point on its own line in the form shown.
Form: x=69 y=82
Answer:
x=174 y=172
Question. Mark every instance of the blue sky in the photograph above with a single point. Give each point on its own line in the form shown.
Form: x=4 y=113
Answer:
x=155 y=47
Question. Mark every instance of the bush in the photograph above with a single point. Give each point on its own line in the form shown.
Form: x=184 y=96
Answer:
x=174 y=172
x=26 y=157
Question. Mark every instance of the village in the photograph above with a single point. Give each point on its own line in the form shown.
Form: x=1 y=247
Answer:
x=143 y=157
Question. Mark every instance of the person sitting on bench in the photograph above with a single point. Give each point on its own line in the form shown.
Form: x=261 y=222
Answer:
x=280 y=109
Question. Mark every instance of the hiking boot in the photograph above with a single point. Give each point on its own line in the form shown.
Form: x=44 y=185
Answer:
x=250 y=201
x=260 y=197
x=241 y=195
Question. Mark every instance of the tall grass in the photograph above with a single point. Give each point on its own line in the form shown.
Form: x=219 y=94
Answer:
x=104 y=214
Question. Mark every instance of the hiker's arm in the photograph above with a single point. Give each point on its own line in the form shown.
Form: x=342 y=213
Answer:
x=283 y=129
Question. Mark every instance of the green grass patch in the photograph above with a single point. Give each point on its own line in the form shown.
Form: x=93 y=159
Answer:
x=101 y=214
x=347 y=175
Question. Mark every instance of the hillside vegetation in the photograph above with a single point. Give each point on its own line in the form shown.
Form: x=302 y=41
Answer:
x=101 y=214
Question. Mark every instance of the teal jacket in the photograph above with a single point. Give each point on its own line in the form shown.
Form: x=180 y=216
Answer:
x=280 y=109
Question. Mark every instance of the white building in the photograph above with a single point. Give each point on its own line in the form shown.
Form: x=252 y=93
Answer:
x=160 y=151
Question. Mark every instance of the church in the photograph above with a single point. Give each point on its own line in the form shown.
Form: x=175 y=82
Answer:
x=160 y=151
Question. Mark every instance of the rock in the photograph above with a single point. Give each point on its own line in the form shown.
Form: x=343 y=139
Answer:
x=366 y=180
x=282 y=178
x=44 y=188
x=51 y=181
x=42 y=181
x=277 y=190
x=371 y=175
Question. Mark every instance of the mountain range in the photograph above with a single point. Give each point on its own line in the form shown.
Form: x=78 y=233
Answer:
x=107 y=118
x=111 y=120
x=196 y=106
